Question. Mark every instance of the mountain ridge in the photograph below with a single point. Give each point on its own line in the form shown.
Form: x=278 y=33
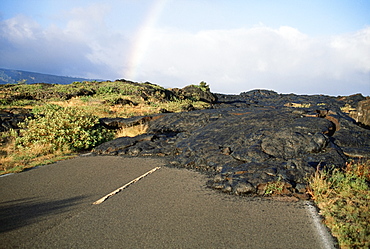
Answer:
x=12 y=76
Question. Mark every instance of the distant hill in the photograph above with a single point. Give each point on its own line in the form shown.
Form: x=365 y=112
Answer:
x=8 y=76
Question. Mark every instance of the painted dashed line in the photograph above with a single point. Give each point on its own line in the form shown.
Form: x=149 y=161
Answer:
x=101 y=200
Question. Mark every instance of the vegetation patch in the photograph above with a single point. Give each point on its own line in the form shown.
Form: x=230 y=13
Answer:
x=132 y=131
x=53 y=133
x=347 y=108
x=63 y=128
x=298 y=105
x=15 y=159
x=343 y=197
x=65 y=118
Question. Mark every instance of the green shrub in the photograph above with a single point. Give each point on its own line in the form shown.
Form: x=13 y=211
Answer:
x=4 y=102
x=344 y=200
x=64 y=128
x=203 y=86
x=104 y=90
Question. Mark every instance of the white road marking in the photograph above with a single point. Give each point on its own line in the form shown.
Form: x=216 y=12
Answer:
x=124 y=186
x=327 y=239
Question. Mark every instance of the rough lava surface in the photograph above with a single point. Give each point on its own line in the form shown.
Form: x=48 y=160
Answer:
x=250 y=141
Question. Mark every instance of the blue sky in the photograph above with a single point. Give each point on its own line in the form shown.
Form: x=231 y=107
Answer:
x=304 y=47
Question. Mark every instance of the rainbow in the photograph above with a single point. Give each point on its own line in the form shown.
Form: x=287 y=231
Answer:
x=142 y=39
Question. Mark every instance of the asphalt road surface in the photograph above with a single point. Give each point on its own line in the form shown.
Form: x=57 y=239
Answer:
x=52 y=207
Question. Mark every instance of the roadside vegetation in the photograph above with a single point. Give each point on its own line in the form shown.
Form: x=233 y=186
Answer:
x=64 y=119
x=64 y=122
x=343 y=197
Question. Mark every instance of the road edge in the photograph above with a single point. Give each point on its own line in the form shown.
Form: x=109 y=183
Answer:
x=327 y=239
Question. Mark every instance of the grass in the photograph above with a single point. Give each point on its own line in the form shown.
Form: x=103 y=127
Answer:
x=347 y=109
x=298 y=105
x=63 y=115
x=14 y=159
x=343 y=197
x=132 y=131
x=274 y=187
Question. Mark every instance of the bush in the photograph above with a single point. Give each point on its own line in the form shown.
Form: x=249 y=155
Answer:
x=344 y=200
x=64 y=128
x=104 y=90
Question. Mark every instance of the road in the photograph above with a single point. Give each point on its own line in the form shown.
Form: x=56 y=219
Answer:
x=52 y=207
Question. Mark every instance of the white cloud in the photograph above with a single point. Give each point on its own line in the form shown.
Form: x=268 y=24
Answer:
x=84 y=47
x=231 y=61
x=283 y=59
x=19 y=29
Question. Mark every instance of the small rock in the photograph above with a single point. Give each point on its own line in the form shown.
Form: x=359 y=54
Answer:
x=244 y=188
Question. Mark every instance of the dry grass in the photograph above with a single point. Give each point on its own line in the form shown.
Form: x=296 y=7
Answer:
x=98 y=107
x=15 y=160
x=347 y=108
x=132 y=131
x=70 y=103
x=343 y=198
x=298 y=105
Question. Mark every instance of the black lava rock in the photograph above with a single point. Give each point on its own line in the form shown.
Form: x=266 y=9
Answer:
x=249 y=140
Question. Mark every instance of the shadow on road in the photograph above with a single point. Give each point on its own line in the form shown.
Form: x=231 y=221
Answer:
x=22 y=212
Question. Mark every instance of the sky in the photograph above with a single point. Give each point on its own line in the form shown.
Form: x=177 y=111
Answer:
x=289 y=46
